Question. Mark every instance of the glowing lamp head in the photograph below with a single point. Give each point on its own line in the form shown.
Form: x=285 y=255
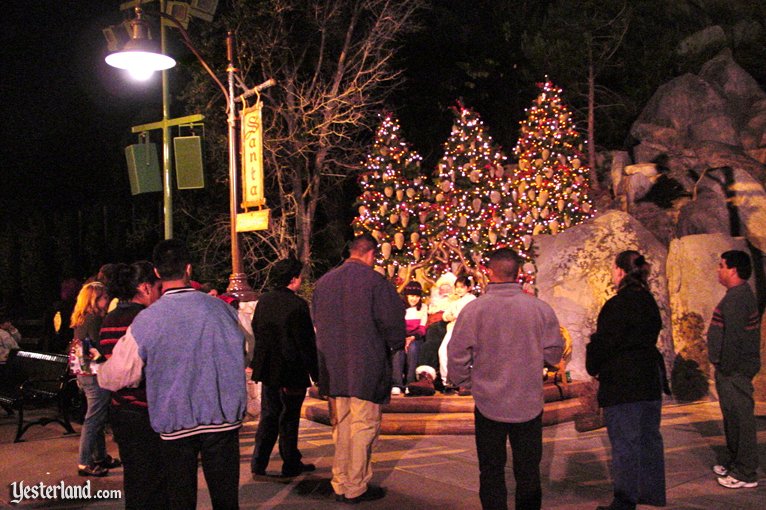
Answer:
x=140 y=64
x=140 y=56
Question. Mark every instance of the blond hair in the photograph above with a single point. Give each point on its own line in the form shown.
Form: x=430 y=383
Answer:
x=87 y=303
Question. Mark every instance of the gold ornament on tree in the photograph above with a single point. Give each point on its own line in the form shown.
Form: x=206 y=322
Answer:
x=399 y=240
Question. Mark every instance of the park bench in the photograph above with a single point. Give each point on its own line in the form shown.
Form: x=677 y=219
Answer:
x=36 y=380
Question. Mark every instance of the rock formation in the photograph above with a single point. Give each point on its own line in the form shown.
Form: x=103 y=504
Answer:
x=574 y=277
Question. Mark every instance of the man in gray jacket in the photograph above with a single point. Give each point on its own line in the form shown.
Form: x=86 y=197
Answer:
x=359 y=320
x=498 y=348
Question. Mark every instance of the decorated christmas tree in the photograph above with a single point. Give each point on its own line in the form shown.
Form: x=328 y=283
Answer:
x=394 y=205
x=473 y=196
x=550 y=188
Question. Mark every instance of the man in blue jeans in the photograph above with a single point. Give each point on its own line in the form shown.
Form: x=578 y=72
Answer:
x=500 y=343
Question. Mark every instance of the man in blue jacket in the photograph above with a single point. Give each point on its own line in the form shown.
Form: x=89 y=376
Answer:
x=359 y=320
x=191 y=348
x=500 y=343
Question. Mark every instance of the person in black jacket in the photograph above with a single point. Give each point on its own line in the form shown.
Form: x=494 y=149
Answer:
x=284 y=358
x=623 y=355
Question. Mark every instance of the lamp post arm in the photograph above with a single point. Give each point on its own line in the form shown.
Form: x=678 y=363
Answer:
x=187 y=41
x=255 y=90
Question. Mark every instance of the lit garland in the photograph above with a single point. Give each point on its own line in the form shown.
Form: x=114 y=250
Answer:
x=550 y=187
x=395 y=202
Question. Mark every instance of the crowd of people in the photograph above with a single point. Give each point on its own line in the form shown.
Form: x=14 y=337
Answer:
x=165 y=364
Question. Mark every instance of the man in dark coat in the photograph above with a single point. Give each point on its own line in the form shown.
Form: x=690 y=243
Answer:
x=359 y=321
x=283 y=359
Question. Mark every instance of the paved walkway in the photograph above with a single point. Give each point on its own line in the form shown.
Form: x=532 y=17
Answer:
x=424 y=472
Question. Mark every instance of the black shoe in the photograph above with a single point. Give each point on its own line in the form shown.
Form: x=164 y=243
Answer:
x=110 y=463
x=372 y=493
x=94 y=470
x=259 y=471
x=301 y=468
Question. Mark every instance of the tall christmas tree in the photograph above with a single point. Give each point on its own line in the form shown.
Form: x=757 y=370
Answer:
x=394 y=205
x=473 y=198
x=551 y=187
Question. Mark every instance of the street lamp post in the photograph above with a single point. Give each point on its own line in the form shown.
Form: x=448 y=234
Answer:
x=238 y=284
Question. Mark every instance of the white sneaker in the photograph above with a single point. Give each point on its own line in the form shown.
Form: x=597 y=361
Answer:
x=396 y=390
x=720 y=470
x=732 y=483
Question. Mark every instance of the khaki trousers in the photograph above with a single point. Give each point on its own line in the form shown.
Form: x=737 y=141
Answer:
x=355 y=428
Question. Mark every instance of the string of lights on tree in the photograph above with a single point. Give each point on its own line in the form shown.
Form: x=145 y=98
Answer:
x=550 y=187
x=395 y=202
x=476 y=202
x=473 y=199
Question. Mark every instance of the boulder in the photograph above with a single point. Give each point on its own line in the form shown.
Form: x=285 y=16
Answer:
x=692 y=108
x=636 y=186
x=620 y=159
x=694 y=290
x=574 y=276
x=760 y=380
x=709 y=38
x=734 y=83
x=708 y=213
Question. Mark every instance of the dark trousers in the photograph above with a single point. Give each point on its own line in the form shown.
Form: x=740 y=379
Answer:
x=735 y=395
x=144 y=472
x=526 y=440
x=280 y=417
x=404 y=364
x=638 y=458
x=220 y=464
x=429 y=351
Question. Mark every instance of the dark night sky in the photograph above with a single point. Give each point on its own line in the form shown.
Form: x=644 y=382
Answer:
x=66 y=114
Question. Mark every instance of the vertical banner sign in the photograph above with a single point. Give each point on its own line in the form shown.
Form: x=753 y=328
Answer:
x=252 y=157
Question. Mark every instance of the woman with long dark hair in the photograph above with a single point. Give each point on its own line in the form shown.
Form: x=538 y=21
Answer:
x=623 y=355
x=136 y=286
